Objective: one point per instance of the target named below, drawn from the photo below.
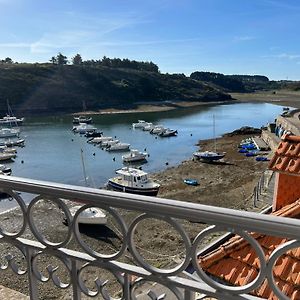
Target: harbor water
(52, 151)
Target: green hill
(57, 89)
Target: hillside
(57, 89)
(237, 83)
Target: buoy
(114, 159)
(94, 153)
(115, 136)
(167, 163)
(145, 149)
(148, 155)
(156, 137)
(22, 161)
(72, 140)
(191, 134)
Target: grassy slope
(50, 89)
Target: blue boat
(190, 181)
(262, 158)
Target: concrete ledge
(9, 294)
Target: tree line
(77, 60)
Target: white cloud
(244, 38)
(287, 56)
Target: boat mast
(83, 168)
(214, 133)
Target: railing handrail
(223, 217)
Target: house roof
(236, 262)
(287, 156)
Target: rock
(244, 130)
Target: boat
(10, 143)
(9, 120)
(7, 156)
(4, 170)
(83, 128)
(134, 156)
(157, 129)
(168, 132)
(261, 158)
(91, 215)
(99, 140)
(9, 132)
(118, 147)
(190, 181)
(109, 142)
(135, 181)
(82, 119)
(210, 156)
(5, 149)
(139, 124)
(148, 127)
(93, 134)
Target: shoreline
(281, 97)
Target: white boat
(5, 149)
(100, 140)
(82, 119)
(133, 181)
(109, 142)
(139, 124)
(209, 156)
(9, 120)
(168, 132)
(148, 127)
(118, 147)
(9, 132)
(134, 155)
(7, 156)
(157, 129)
(4, 170)
(10, 143)
(83, 128)
(91, 215)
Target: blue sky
(181, 36)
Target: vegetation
(58, 87)
(237, 83)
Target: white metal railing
(131, 275)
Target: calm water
(52, 151)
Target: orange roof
(236, 262)
(287, 156)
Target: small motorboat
(10, 143)
(91, 215)
(139, 124)
(134, 156)
(118, 147)
(5, 149)
(93, 134)
(190, 181)
(9, 132)
(83, 128)
(251, 153)
(135, 181)
(109, 143)
(148, 127)
(7, 156)
(82, 119)
(168, 132)
(157, 129)
(99, 140)
(4, 170)
(209, 156)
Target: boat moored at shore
(11, 121)
(135, 181)
(82, 119)
(134, 156)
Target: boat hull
(139, 191)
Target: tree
(53, 60)
(61, 59)
(77, 60)
(7, 60)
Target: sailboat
(91, 215)
(210, 156)
(10, 119)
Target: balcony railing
(129, 260)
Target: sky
(180, 36)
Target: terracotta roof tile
(236, 262)
(287, 156)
